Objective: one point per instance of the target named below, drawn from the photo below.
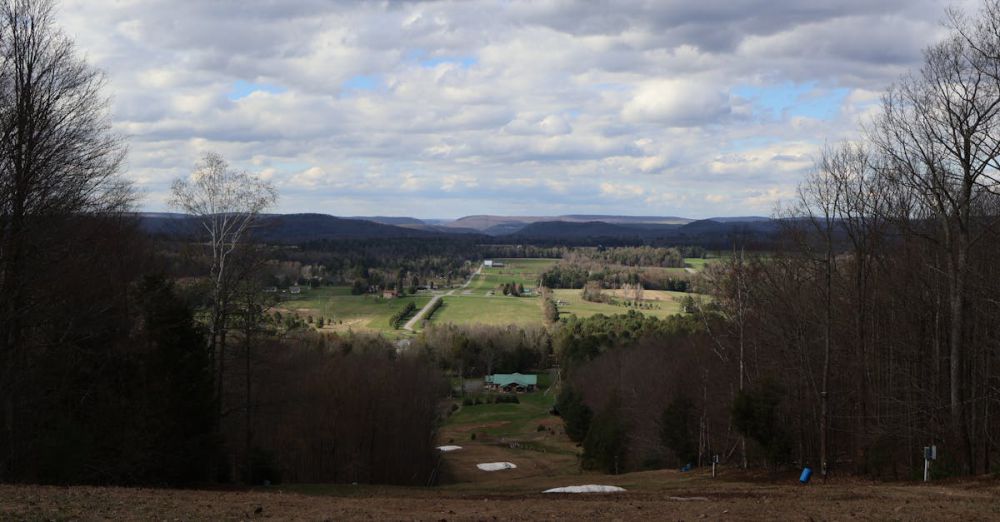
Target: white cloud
(490, 106)
(677, 103)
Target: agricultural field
(697, 263)
(359, 313)
(494, 310)
(663, 303)
(519, 271)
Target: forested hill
(300, 228)
(703, 232)
(294, 228)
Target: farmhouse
(489, 263)
(295, 290)
(511, 382)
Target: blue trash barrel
(806, 475)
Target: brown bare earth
(660, 495)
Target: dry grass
(661, 495)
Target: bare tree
(227, 203)
(939, 132)
(58, 158)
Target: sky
(444, 109)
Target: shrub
(397, 318)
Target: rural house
(511, 382)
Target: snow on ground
(495, 466)
(589, 488)
(449, 448)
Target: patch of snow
(495, 466)
(448, 448)
(588, 488)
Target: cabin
(389, 294)
(295, 290)
(511, 382)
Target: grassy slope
(508, 433)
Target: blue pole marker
(806, 475)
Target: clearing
(525, 271)
(494, 310)
(663, 303)
(360, 313)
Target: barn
(511, 382)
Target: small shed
(511, 382)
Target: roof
(503, 379)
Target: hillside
(292, 228)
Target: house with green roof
(511, 382)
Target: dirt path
(423, 311)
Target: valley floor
(659, 495)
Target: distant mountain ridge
(299, 228)
(293, 228)
(503, 225)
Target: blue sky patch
(362, 82)
(242, 88)
(462, 61)
(793, 99)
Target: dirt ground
(660, 495)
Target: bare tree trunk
(824, 408)
(956, 345)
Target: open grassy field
(664, 303)
(520, 271)
(349, 312)
(495, 310)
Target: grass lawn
(354, 312)
(663, 302)
(500, 310)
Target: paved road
(423, 311)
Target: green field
(519, 271)
(349, 312)
(499, 310)
(663, 303)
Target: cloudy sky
(443, 109)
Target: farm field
(349, 312)
(663, 302)
(495, 310)
(519, 271)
